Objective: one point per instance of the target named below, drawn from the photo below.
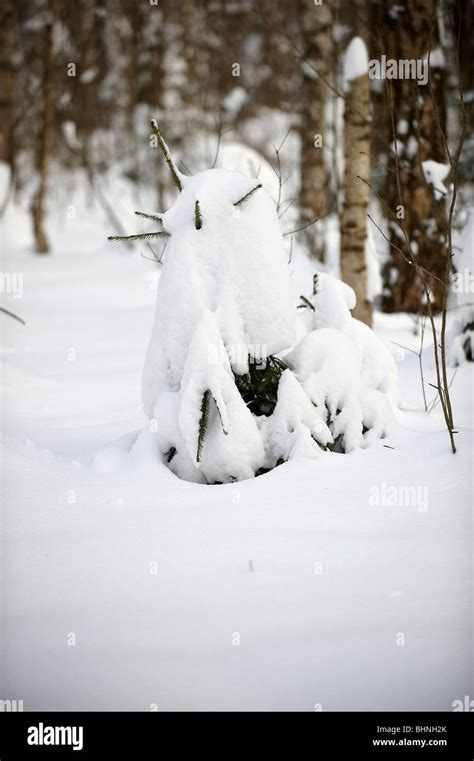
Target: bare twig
(167, 156)
(308, 224)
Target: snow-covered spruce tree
(236, 380)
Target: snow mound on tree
(233, 447)
(328, 363)
(236, 380)
(234, 265)
(331, 302)
(296, 428)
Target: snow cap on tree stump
(356, 61)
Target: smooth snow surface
(280, 592)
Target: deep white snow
(320, 584)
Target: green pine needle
(154, 217)
(259, 387)
(306, 303)
(203, 423)
(197, 216)
(140, 236)
(247, 195)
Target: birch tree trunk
(317, 44)
(357, 120)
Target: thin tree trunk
(46, 133)
(357, 118)
(188, 16)
(88, 89)
(316, 27)
(7, 83)
(157, 91)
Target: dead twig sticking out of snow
(435, 401)
(167, 156)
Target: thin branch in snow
(167, 156)
(419, 354)
(289, 203)
(220, 135)
(435, 401)
(277, 171)
(155, 257)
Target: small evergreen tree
(224, 415)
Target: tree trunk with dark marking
(357, 133)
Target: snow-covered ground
(127, 588)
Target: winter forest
(237, 319)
